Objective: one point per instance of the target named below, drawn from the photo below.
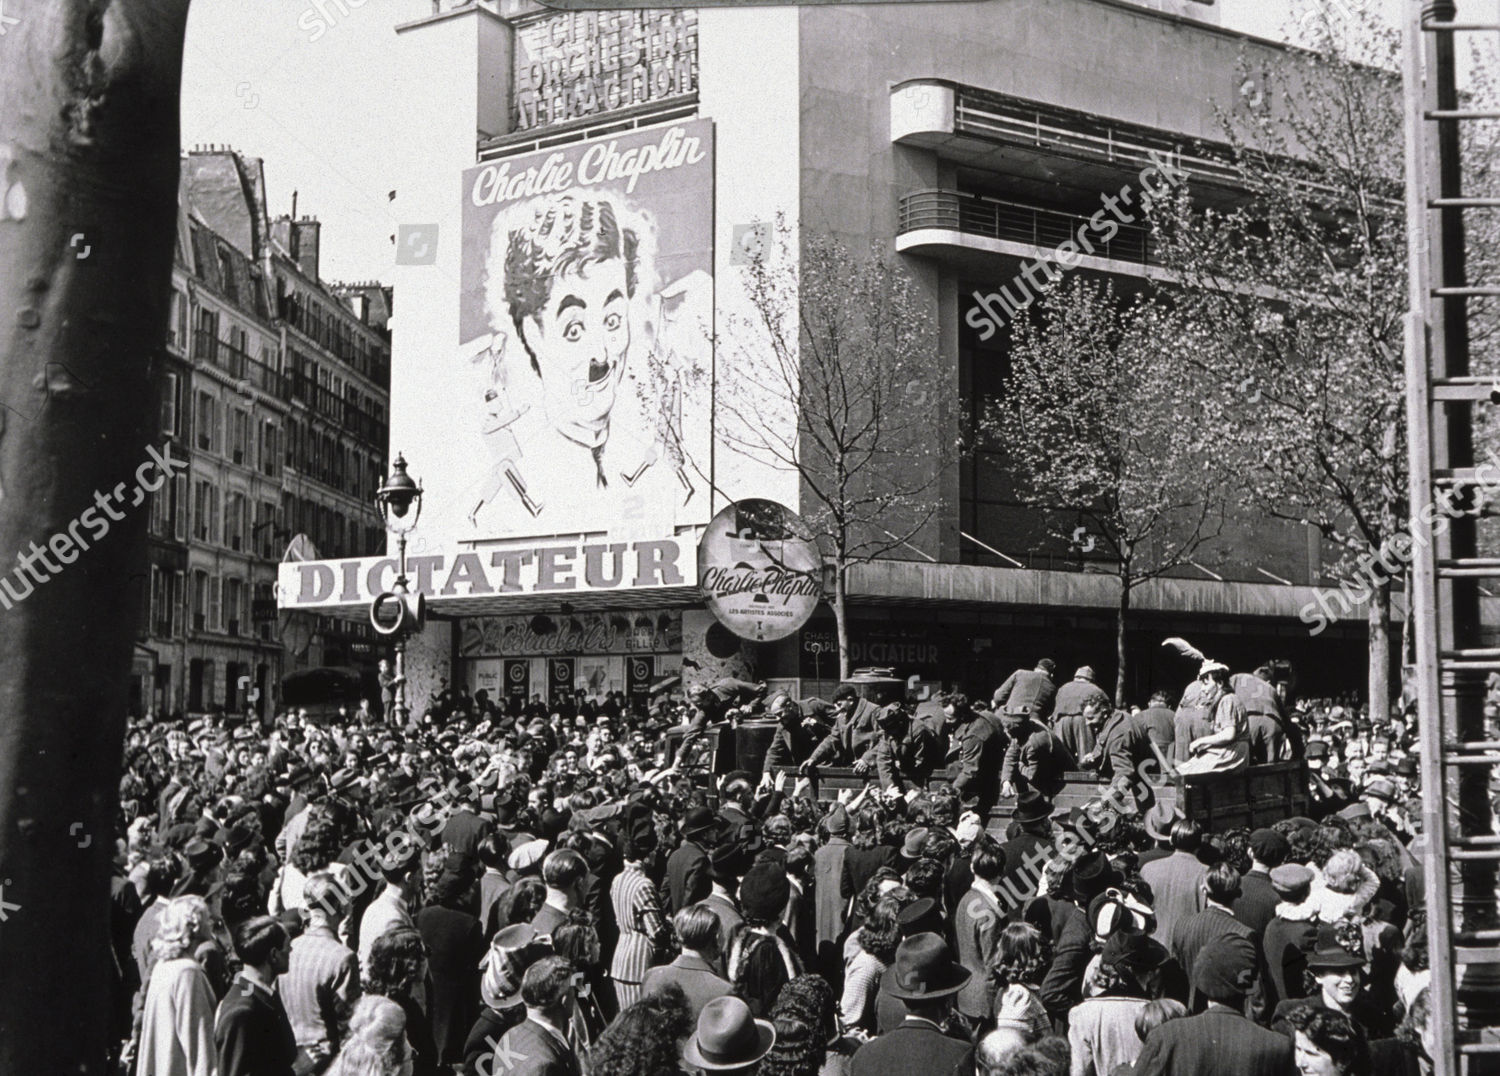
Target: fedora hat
(702, 821)
(728, 1037)
(924, 968)
(1031, 806)
(1091, 875)
(915, 842)
(1159, 821)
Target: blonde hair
(1344, 871)
(184, 923)
(377, 1044)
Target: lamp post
(399, 500)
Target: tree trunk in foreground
(1380, 653)
(89, 143)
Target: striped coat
(643, 931)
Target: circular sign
(760, 574)
(517, 673)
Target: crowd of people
(535, 890)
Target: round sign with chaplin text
(761, 575)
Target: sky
(298, 83)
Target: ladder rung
(1461, 114)
(1459, 27)
(1471, 666)
(1492, 854)
(1479, 1047)
(1488, 840)
(1487, 570)
(1473, 653)
(1474, 291)
(1479, 389)
(1474, 745)
(1463, 203)
(1473, 937)
(1476, 954)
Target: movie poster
(586, 326)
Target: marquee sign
(572, 65)
(759, 574)
(548, 568)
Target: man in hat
(1029, 688)
(1256, 906)
(539, 1045)
(1032, 822)
(1215, 927)
(852, 739)
(925, 979)
(1220, 1040)
(833, 886)
(728, 1039)
(687, 867)
(976, 749)
(1075, 696)
(1291, 934)
(1034, 755)
(726, 863)
(907, 751)
(1122, 746)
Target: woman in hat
(1101, 1029)
(1336, 974)
(1227, 748)
(511, 952)
(761, 959)
(1022, 958)
(644, 938)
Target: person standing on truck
(796, 736)
(907, 751)
(1035, 758)
(1032, 688)
(1268, 739)
(852, 741)
(1074, 697)
(976, 748)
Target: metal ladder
(1462, 850)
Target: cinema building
(567, 438)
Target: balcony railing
(994, 218)
(238, 365)
(343, 413)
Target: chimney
(306, 234)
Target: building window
(200, 601)
(206, 423)
(161, 602)
(169, 403)
(216, 604)
(234, 520)
(239, 436)
(179, 507)
(233, 605)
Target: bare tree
(831, 375)
(1313, 353)
(1106, 436)
(89, 144)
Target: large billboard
(585, 322)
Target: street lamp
(399, 500)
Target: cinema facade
(579, 194)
